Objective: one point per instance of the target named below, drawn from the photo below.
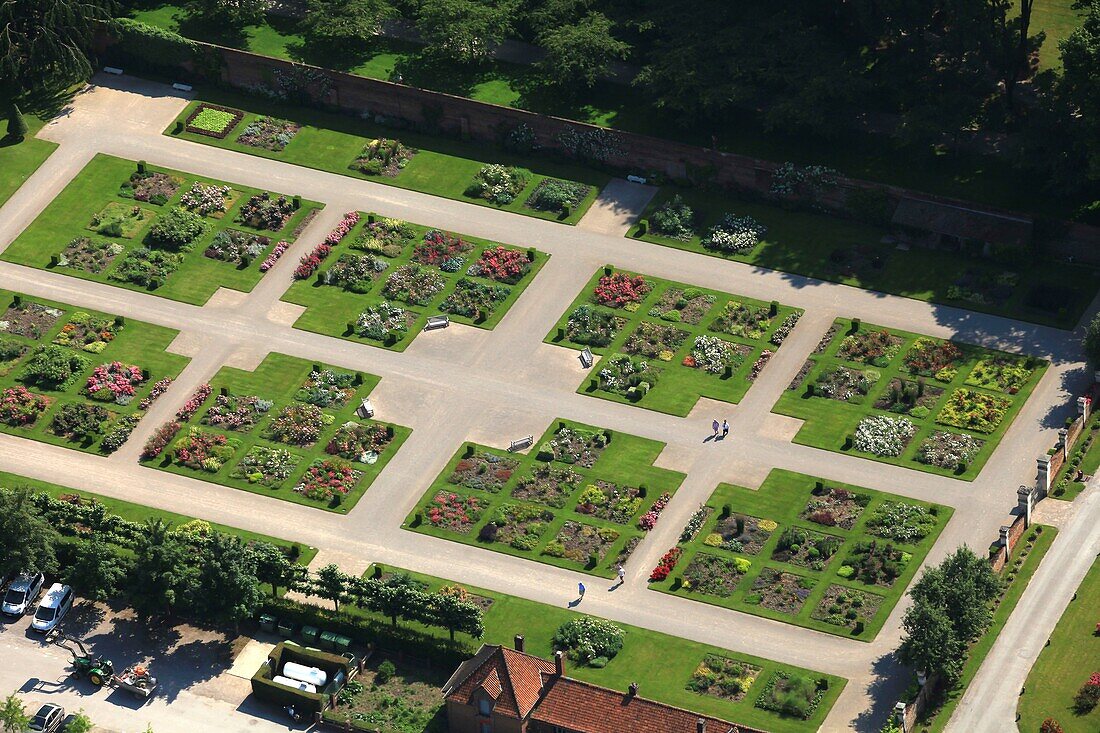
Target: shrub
(553, 194)
(385, 672)
(674, 219)
(734, 234)
(586, 638)
(498, 184)
(53, 367)
(1050, 725)
(176, 230)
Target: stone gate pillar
(1024, 498)
(1044, 475)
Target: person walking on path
(622, 573)
(725, 428)
(715, 426)
(580, 589)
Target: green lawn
(850, 252)
(696, 342)
(1084, 457)
(1057, 19)
(289, 423)
(826, 521)
(1026, 561)
(575, 501)
(662, 665)
(334, 302)
(61, 238)
(958, 398)
(979, 178)
(92, 340)
(19, 160)
(1065, 665)
(441, 167)
(139, 513)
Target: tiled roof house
(501, 690)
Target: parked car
(48, 719)
(58, 601)
(22, 593)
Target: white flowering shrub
(734, 234)
(882, 435)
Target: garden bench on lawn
(435, 322)
(587, 360)
(524, 442)
(365, 409)
(636, 179)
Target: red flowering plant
(114, 382)
(458, 513)
(649, 520)
(21, 407)
(310, 263)
(159, 440)
(439, 246)
(619, 289)
(194, 402)
(204, 450)
(502, 264)
(666, 565)
(327, 478)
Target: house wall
(464, 719)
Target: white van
(58, 601)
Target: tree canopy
(27, 541)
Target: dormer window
(484, 706)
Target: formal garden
(663, 345)
(582, 498)
(1064, 684)
(850, 251)
(507, 178)
(156, 230)
(78, 378)
(814, 553)
(731, 685)
(377, 280)
(914, 401)
(288, 430)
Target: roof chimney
(559, 663)
(700, 726)
(519, 643)
(633, 689)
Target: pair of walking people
(619, 569)
(724, 427)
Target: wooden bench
(524, 442)
(435, 322)
(365, 409)
(587, 359)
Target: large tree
(231, 14)
(1080, 86)
(451, 612)
(275, 568)
(44, 44)
(227, 587)
(346, 21)
(97, 570)
(578, 53)
(13, 715)
(331, 584)
(164, 575)
(465, 30)
(27, 541)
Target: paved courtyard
(493, 386)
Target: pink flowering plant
(649, 520)
(159, 387)
(114, 382)
(20, 407)
(202, 450)
(619, 289)
(194, 402)
(454, 512)
(501, 264)
(328, 478)
(279, 250)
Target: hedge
(149, 46)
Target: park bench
(524, 442)
(587, 360)
(435, 322)
(179, 86)
(365, 409)
(636, 179)
(112, 70)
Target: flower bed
(202, 450)
(883, 436)
(586, 640)
(114, 382)
(713, 575)
(610, 502)
(498, 184)
(89, 255)
(80, 421)
(547, 484)
(874, 563)
(120, 220)
(794, 695)
(933, 358)
(159, 388)
(384, 322)
(780, 591)
(279, 250)
(384, 236)
(741, 533)
(631, 378)
(952, 451)
(194, 402)
(212, 120)
(29, 320)
(440, 248)
(666, 565)
(208, 199)
(590, 326)
(582, 543)
(236, 247)
(1000, 372)
(847, 607)
(383, 157)
(146, 267)
(267, 466)
(799, 546)
(263, 211)
(695, 522)
(502, 264)
(908, 397)
(783, 330)
(239, 413)
(20, 407)
(674, 219)
(877, 348)
(358, 442)
(553, 194)
(327, 388)
(843, 384)
(150, 187)
(743, 319)
(620, 290)
(414, 284)
(724, 678)
(353, 272)
(649, 520)
(688, 305)
(87, 332)
(734, 235)
(176, 230)
(269, 133)
(485, 471)
(517, 525)
(759, 364)
(654, 340)
(713, 355)
(973, 410)
(298, 424)
(475, 300)
(902, 522)
(159, 440)
(573, 445)
(53, 367)
(310, 263)
(11, 351)
(454, 512)
(328, 478)
(833, 506)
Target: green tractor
(98, 671)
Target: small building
(501, 690)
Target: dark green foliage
(53, 367)
(27, 540)
(176, 230)
(97, 570)
(17, 126)
(153, 45)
